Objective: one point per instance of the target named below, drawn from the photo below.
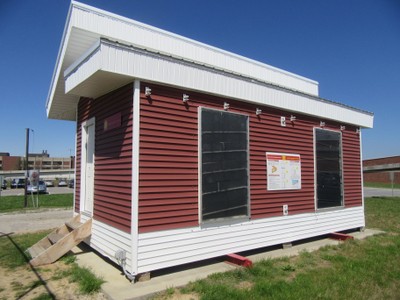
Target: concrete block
(286, 245)
(143, 277)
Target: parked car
(71, 184)
(40, 188)
(49, 183)
(18, 183)
(62, 182)
(4, 184)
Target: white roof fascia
(60, 56)
(110, 65)
(85, 55)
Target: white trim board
(135, 175)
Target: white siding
(107, 240)
(173, 247)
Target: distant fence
(44, 174)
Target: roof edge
(57, 67)
(77, 79)
(186, 39)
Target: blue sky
(351, 47)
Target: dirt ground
(28, 283)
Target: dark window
(328, 148)
(224, 165)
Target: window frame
(341, 172)
(223, 220)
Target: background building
(37, 161)
(382, 170)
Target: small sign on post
(1, 180)
(34, 183)
(391, 175)
(34, 177)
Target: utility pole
(26, 167)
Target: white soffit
(110, 65)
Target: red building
(8, 162)
(187, 152)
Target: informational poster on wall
(283, 171)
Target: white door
(87, 193)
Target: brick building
(379, 170)
(37, 161)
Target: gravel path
(34, 220)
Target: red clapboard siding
(267, 135)
(352, 167)
(168, 170)
(113, 156)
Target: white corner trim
(361, 169)
(135, 176)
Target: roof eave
(97, 74)
(57, 68)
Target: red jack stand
(340, 236)
(239, 260)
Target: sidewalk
(380, 192)
(33, 220)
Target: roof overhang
(101, 52)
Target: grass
(16, 203)
(12, 248)
(88, 282)
(360, 269)
(381, 185)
